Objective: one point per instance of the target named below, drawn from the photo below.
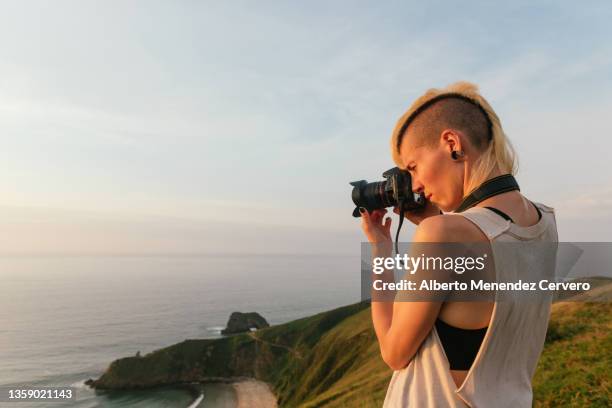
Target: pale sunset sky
(235, 127)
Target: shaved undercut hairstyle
(458, 107)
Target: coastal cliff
(332, 359)
(301, 359)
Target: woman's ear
(451, 140)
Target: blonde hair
(499, 152)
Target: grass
(332, 360)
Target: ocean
(65, 318)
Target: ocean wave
(197, 401)
(80, 384)
(215, 329)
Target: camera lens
(395, 190)
(372, 196)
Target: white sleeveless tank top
(501, 373)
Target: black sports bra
(462, 345)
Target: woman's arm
(402, 326)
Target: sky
(235, 127)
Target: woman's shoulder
(449, 228)
(544, 207)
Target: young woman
(458, 354)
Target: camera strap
(496, 185)
(399, 227)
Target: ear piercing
(456, 154)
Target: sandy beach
(241, 392)
(254, 394)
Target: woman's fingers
(376, 219)
(365, 215)
(387, 225)
(365, 219)
(376, 226)
(377, 215)
(372, 218)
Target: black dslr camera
(396, 190)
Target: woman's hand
(377, 229)
(416, 216)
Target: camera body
(395, 190)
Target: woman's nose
(417, 187)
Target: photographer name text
(434, 285)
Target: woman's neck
(496, 172)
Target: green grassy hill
(576, 363)
(332, 359)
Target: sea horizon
(70, 316)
